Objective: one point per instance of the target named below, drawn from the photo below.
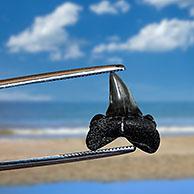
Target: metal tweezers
(67, 157)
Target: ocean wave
(52, 131)
(176, 129)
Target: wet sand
(174, 160)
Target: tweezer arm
(59, 75)
(65, 158)
(70, 157)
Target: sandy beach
(174, 160)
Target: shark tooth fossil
(123, 119)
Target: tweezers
(66, 157)
(59, 75)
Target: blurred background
(153, 39)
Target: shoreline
(81, 131)
(173, 160)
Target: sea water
(63, 118)
(134, 187)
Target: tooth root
(121, 102)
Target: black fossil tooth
(121, 101)
(123, 119)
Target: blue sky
(154, 39)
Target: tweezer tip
(120, 66)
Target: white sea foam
(176, 129)
(77, 131)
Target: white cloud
(192, 12)
(20, 96)
(114, 60)
(106, 7)
(164, 3)
(73, 52)
(156, 37)
(114, 38)
(49, 34)
(188, 4)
